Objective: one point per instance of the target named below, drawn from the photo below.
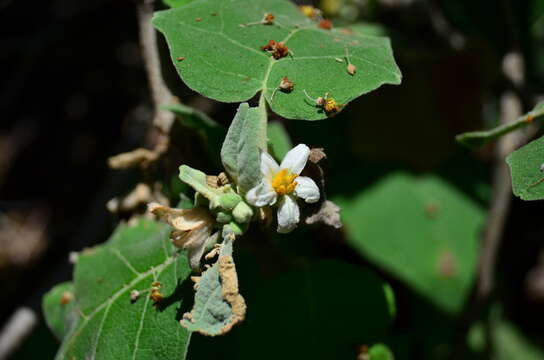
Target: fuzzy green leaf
(525, 168)
(212, 314)
(197, 180)
(60, 310)
(110, 325)
(240, 151)
(224, 61)
(422, 230)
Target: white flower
(283, 184)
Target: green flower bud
(223, 217)
(229, 201)
(242, 213)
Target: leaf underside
(107, 324)
(220, 59)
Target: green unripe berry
(223, 217)
(242, 213)
(229, 201)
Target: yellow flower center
(284, 182)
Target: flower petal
(288, 214)
(269, 166)
(307, 189)
(262, 194)
(296, 158)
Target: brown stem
(159, 91)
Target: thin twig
(18, 327)
(158, 136)
(163, 119)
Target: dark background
(73, 92)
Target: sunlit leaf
(223, 60)
(111, 325)
(420, 229)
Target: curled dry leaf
(192, 229)
(139, 157)
(317, 154)
(328, 214)
(229, 280)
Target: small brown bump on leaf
(66, 297)
(317, 154)
(134, 295)
(277, 49)
(268, 19)
(213, 14)
(447, 264)
(529, 118)
(180, 58)
(156, 295)
(198, 19)
(351, 69)
(325, 24)
(431, 209)
(286, 86)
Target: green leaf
(224, 61)
(196, 119)
(422, 230)
(197, 180)
(110, 325)
(240, 152)
(177, 3)
(60, 310)
(279, 142)
(212, 313)
(479, 138)
(508, 340)
(525, 168)
(367, 28)
(380, 352)
(210, 131)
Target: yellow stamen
(284, 182)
